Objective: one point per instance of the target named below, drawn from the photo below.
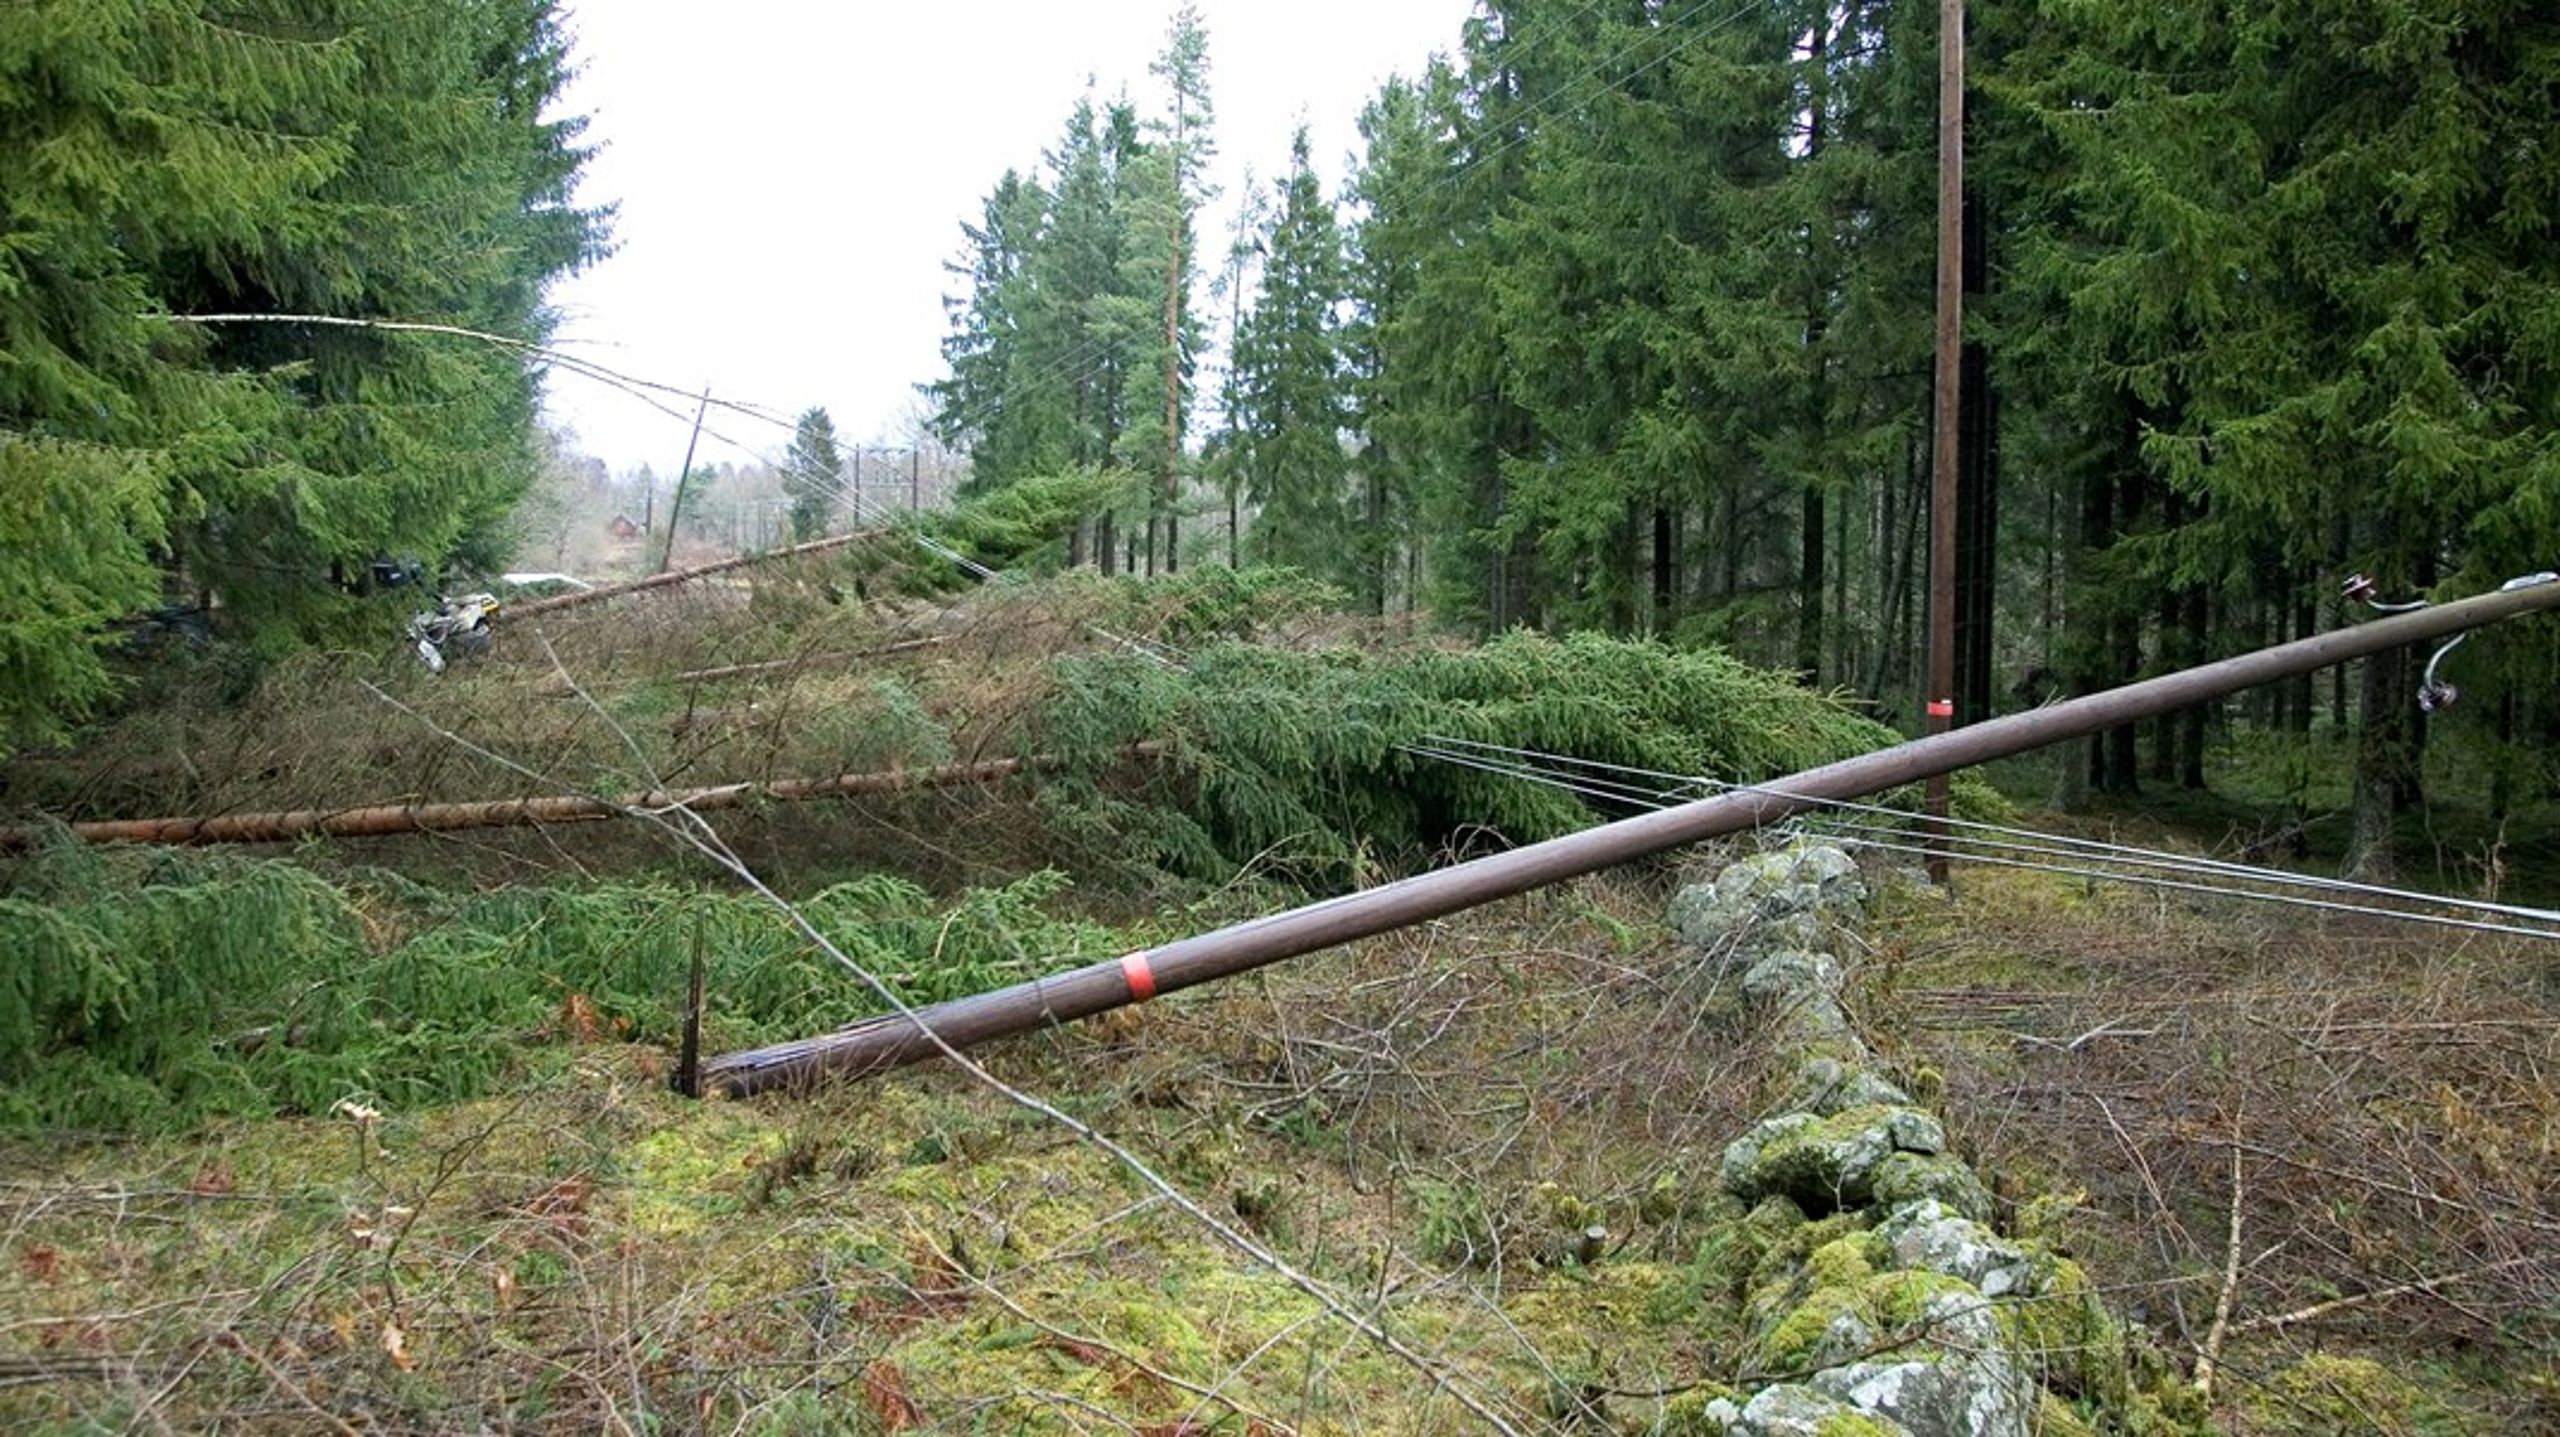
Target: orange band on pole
(1140, 975)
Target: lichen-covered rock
(1824, 1324)
(1826, 1085)
(1768, 901)
(1905, 1179)
(1825, 1163)
(1784, 976)
(1972, 1396)
(1954, 1377)
(1788, 1410)
(1928, 1236)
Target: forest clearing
(1759, 718)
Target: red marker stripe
(1140, 976)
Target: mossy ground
(594, 1252)
(2101, 1049)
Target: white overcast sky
(792, 174)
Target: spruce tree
(814, 474)
(1000, 401)
(2310, 246)
(368, 159)
(1289, 383)
(1168, 186)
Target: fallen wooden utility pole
(386, 819)
(672, 577)
(878, 1044)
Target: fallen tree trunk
(814, 663)
(877, 1044)
(387, 819)
(672, 577)
(776, 666)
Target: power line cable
(2075, 845)
(1884, 839)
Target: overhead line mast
(1941, 698)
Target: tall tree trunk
(1809, 589)
(1169, 488)
(1817, 323)
(1977, 490)
(2385, 760)
(1665, 568)
(1901, 523)
(2191, 724)
(2306, 622)
(1377, 576)
(2081, 766)
(1729, 556)
(2172, 651)
(1837, 641)
(2390, 736)
(2502, 778)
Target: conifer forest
(1725, 718)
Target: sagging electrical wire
(2098, 848)
(2003, 847)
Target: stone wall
(1882, 1300)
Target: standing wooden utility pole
(1942, 451)
(675, 506)
(915, 478)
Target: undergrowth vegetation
(152, 992)
(2359, 1115)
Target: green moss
(1831, 1320)
(1901, 1299)
(1780, 1249)
(2054, 1418)
(1686, 1415)
(1828, 1324)
(1845, 1261)
(1581, 1309)
(2046, 1216)
(2064, 1329)
(1831, 1162)
(1912, 1177)
(710, 1155)
(2324, 1394)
